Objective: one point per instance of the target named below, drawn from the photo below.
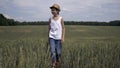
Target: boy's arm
(63, 30)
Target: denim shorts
(56, 48)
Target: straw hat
(55, 6)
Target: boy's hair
(58, 11)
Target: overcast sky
(72, 10)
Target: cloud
(7, 16)
(24, 3)
(31, 10)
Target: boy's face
(54, 11)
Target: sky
(71, 10)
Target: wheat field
(84, 47)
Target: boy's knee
(53, 54)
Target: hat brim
(54, 7)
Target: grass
(84, 47)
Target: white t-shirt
(55, 29)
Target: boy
(56, 33)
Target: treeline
(6, 22)
(11, 22)
(111, 23)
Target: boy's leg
(53, 53)
(58, 50)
